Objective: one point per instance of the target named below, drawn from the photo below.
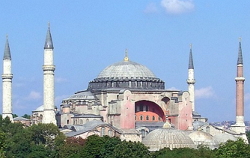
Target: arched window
(147, 118)
(141, 117)
(110, 133)
(153, 118)
(102, 131)
(143, 133)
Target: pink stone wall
(127, 119)
(185, 116)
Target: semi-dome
(126, 74)
(203, 138)
(169, 138)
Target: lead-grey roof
(83, 95)
(20, 119)
(7, 54)
(126, 69)
(88, 127)
(240, 58)
(48, 41)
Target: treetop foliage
(46, 141)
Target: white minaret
(7, 83)
(191, 80)
(48, 81)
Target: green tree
(248, 136)
(128, 149)
(26, 116)
(14, 115)
(71, 148)
(94, 145)
(233, 149)
(175, 153)
(46, 134)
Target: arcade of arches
(148, 111)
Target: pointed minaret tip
(48, 41)
(240, 58)
(190, 64)
(126, 55)
(7, 50)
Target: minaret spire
(7, 82)
(48, 81)
(191, 80)
(191, 64)
(7, 50)
(240, 58)
(48, 41)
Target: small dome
(169, 138)
(203, 138)
(39, 109)
(127, 69)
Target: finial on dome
(166, 125)
(126, 55)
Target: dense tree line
(45, 140)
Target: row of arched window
(149, 118)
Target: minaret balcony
(7, 76)
(48, 67)
(239, 78)
(191, 81)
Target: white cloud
(151, 8)
(34, 95)
(60, 79)
(177, 6)
(172, 89)
(247, 97)
(206, 92)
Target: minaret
(7, 83)
(48, 81)
(191, 80)
(240, 125)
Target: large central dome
(126, 74)
(127, 69)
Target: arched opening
(148, 111)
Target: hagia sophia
(128, 101)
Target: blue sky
(90, 35)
